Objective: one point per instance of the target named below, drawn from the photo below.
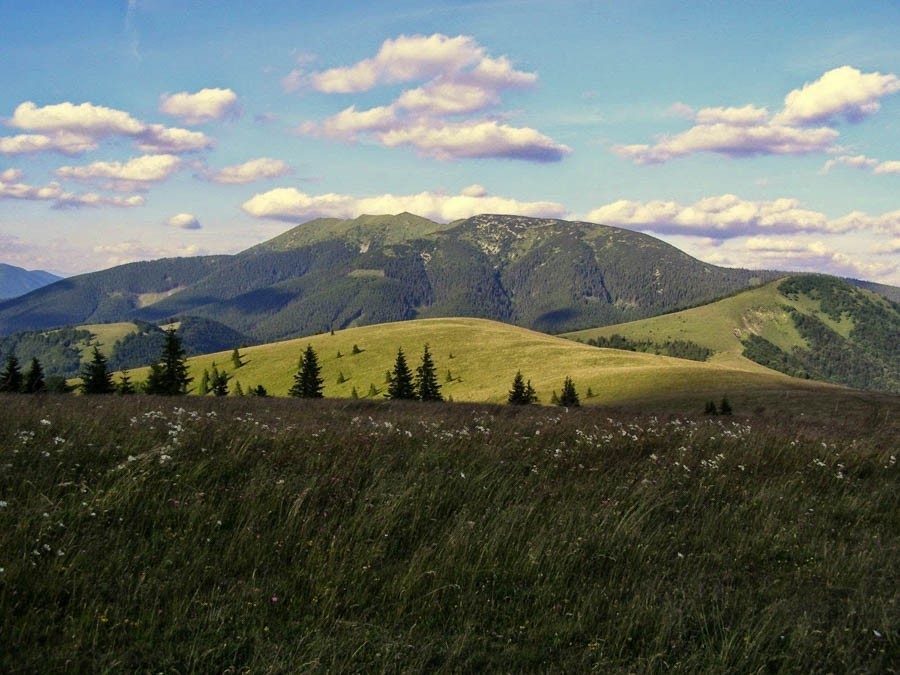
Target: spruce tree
(401, 386)
(569, 397)
(356, 350)
(517, 393)
(307, 383)
(427, 387)
(238, 389)
(125, 387)
(34, 378)
(218, 382)
(11, 380)
(724, 406)
(203, 387)
(530, 393)
(95, 377)
(169, 376)
(236, 359)
(259, 390)
(354, 393)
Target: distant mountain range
(545, 274)
(15, 281)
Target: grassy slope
(486, 355)
(278, 536)
(105, 336)
(720, 325)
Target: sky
(758, 134)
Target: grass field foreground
(214, 535)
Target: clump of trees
(169, 376)
(522, 393)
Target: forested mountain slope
(550, 275)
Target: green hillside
(809, 326)
(482, 358)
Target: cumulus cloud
(889, 247)
(861, 162)
(76, 128)
(458, 78)
(133, 251)
(799, 129)
(62, 199)
(10, 175)
(804, 255)
(289, 204)
(892, 166)
(185, 221)
(842, 92)
(408, 57)
(204, 106)
(477, 139)
(733, 139)
(728, 216)
(718, 217)
(136, 173)
(248, 172)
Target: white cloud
(204, 106)
(751, 130)
(248, 172)
(294, 81)
(350, 122)
(727, 216)
(403, 59)
(10, 175)
(63, 199)
(477, 139)
(862, 162)
(76, 128)
(804, 255)
(157, 138)
(133, 251)
(844, 92)
(460, 78)
(145, 169)
(734, 140)
(289, 204)
(889, 247)
(892, 166)
(185, 221)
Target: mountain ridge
(17, 281)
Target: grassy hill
(807, 325)
(483, 356)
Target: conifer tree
(517, 393)
(307, 383)
(426, 384)
(218, 382)
(373, 391)
(203, 387)
(710, 408)
(554, 398)
(124, 386)
(354, 393)
(530, 393)
(569, 397)
(401, 386)
(341, 379)
(356, 350)
(259, 390)
(724, 406)
(34, 378)
(236, 359)
(95, 377)
(11, 380)
(169, 376)
(238, 389)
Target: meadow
(144, 534)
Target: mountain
(808, 326)
(546, 274)
(15, 281)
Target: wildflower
(46, 422)
(3, 504)
(274, 598)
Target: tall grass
(198, 535)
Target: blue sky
(762, 134)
